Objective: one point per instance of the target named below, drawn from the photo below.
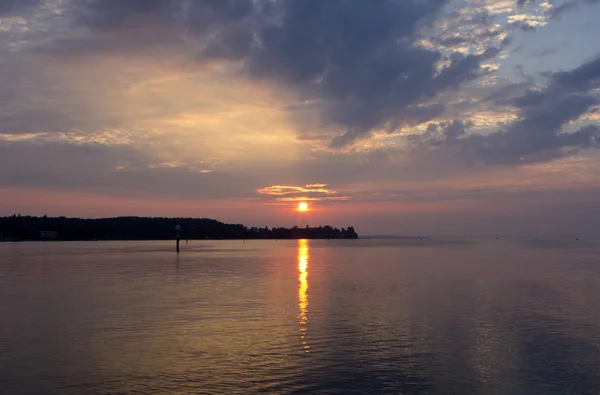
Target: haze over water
(318, 316)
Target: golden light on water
(302, 290)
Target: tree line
(20, 228)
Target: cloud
(148, 22)
(546, 52)
(310, 192)
(313, 199)
(116, 169)
(527, 22)
(360, 61)
(554, 11)
(286, 189)
(538, 134)
(450, 130)
(9, 7)
(106, 137)
(558, 11)
(112, 14)
(584, 78)
(364, 65)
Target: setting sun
(303, 206)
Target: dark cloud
(524, 26)
(455, 129)
(105, 26)
(452, 41)
(357, 59)
(197, 15)
(8, 7)
(557, 11)
(128, 26)
(507, 93)
(538, 135)
(204, 14)
(528, 78)
(111, 14)
(582, 79)
(521, 3)
(443, 132)
(457, 29)
(548, 51)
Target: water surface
(318, 316)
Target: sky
(405, 117)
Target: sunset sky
(408, 117)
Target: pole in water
(177, 229)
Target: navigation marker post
(177, 230)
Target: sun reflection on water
(302, 290)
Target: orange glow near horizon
(302, 207)
(302, 290)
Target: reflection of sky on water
(224, 318)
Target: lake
(306, 316)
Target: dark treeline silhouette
(19, 228)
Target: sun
(302, 206)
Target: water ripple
(300, 317)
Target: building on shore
(48, 235)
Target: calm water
(366, 316)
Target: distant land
(395, 237)
(27, 228)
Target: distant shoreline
(172, 239)
(392, 237)
(29, 228)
